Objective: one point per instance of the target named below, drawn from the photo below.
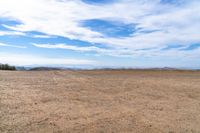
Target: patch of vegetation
(7, 67)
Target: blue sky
(100, 33)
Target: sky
(100, 33)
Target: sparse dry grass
(100, 101)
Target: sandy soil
(100, 101)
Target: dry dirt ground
(100, 101)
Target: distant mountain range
(102, 68)
(49, 68)
(44, 69)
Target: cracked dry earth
(100, 101)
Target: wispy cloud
(14, 46)
(41, 36)
(24, 60)
(70, 47)
(172, 52)
(10, 33)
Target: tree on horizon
(7, 67)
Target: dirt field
(100, 101)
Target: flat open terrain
(100, 101)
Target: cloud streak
(14, 46)
(118, 52)
(25, 60)
(11, 33)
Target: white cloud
(6, 33)
(24, 60)
(177, 53)
(14, 46)
(100, 51)
(41, 36)
(174, 24)
(70, 47)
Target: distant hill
(44, 69)
(21, 68)
(165, 68)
